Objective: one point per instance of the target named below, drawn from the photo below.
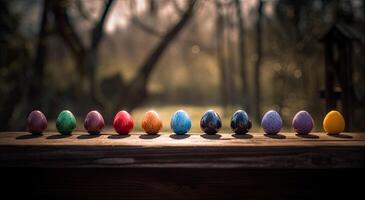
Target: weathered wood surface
(287, 150)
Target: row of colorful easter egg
(210, 122)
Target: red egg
(123, 122)
(94, 122)
(36, 122)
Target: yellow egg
(334, 122)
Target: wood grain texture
(138, 150)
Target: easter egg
(210, 123)
(123, 122)
(271, 122)
(94, 122)
(36, 122)
(180, 122)
(334, 122)
(240, 123)
(303, 122)
(65, 122)
(151, 122)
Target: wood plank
(194, 139)
(138, 150)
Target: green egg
(66, 122)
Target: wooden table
(179, 167)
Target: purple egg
(303, 122)
(36, 122)
(94, 122)
(272, 122)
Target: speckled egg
(303, 122)
(66, 122)
(123, 122)
(180, 122)
(240, 123)
(210, 123)
(94, 122)
(272, 122)
(334, 122)
(151, 122)
(36, 122)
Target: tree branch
(177, 7)
(152, 59)
(80, 7)
(137, 90)
(135, 20)
(66, 30)
(97, 32)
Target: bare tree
(86, 56)
(220, 54)
(257, 74)
(35, 82)
(135, 92)
(241, 49)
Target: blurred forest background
(166, 55)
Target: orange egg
(151, 122)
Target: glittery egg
(180, 122)
(123, 122)
(36, 122)
(271, 122)
(94, 122)
(66, 122)
(334, 122)
(210, 123)
(240, 122)
(151, 122)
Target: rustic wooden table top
(138, 150)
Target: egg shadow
(242, 136)
(28, 136)
(211, 137)
(275, 136)
(149, 136)
(118, 136)
(58, 136)
(307, 136)
(340, 135)
(179, 137)
(82, 137)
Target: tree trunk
(86, 57)
(242, 58)
(220, 55)
(136, 91)
(36, 85)
(230, 58)
(258, 62)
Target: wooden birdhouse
(338, 47)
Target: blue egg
(210, 123)
(180, 122)
(240, 122)
(272, 122)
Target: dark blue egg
(240, 123)
(210, 122)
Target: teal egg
(66, 122)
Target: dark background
(165, 55)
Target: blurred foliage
(187, 75)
